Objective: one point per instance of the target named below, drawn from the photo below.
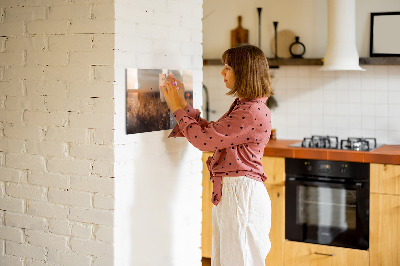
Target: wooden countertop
(389, 154)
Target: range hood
(341, 51)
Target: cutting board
(239, 35)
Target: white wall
(158, 180)
(312, 102)
(62, 135)
(344, 103)
(56, 132)
(305, 18)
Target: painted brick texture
(56, 132)
(158, 180)
(62, 135)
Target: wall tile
(365, 98)
(382, 110)
(394, 97)
(394, 82)
(367, 110)
(380, 71)
(382, 136)
(355, 96)
(394, 123)
(354, 80)
(394, 137)
(394, 110)
(380, 83)
(393, 71)
(291, 71)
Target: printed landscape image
(146, 109)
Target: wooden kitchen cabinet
(384, 237)
(305, 254)
(206, 225)
(277, 233)
(385, 178)
(274, 168)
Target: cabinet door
(384, 230)
(385, 178)
(274, 168)
(304, 254)
(206, 226)
(277, 233)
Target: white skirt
(241, 223)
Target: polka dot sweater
(238, 139)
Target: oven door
(327, 213)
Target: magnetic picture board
(146, 109)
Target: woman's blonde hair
(250, 66)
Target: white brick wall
(56, 132)
(156, 177)
(60, 79)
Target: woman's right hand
(181, 90)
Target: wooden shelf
(380, 61)
(274, 63)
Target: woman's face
(229, 76)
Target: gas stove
(332, 142)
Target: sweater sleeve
(193, 113)
(229, 131)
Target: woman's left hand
(170, 90)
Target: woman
(242, 208)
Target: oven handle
(357, 185)
(324, 254)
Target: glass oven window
(326, 207)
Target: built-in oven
(327, 202)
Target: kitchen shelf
(274, 63)
(380, 61)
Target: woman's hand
(181, 92)
(180, 87)
(172, 94)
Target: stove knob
(343, 168)
(308, 166)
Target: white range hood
(341, 51)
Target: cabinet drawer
(385, 178)
(304, 254)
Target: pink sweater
(238, 139)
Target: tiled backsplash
(312, 102)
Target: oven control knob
(343, 168)
(308, 166)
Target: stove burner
(332, 142)
(328, 142)
(358, 144)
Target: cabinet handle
(324, 254)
